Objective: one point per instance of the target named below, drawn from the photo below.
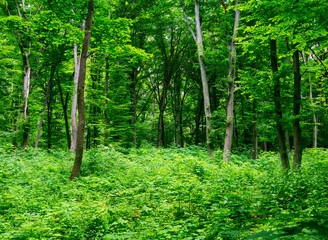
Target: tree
(198, 38)
(80, 92)
(231, 88)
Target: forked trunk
(277, 103)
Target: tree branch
(319, 60)
(187, 21)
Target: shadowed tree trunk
(52, 73)
(106, 102)
(64, 106)
(80, 94)
(277, 103)
(255, 137)
(296, 111)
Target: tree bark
(25, 48)
(206, 94)
(198, 118)
(181, 129)
(134, 103)
(52, 73)
(106, 102)
(255, 137)
(231, 78)
(26, 89)
(315, 117)
(80, 94)
(64, 106)
(49, 118)
(277, 103)
(296, 111)
(74, 100)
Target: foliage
(149, 193)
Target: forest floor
(151, 193)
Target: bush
(150, 193)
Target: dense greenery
(150, 193)
(244, 78)
(143, 76)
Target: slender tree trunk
(64, 106)
(16, 107)
(315, 117)
(206, 93)
(296, 112)
(162, 106)
(49, 118)
(87, 141)
(45, 105)
(265, 146)
(316, 130)
(135, 99)
(176, 128)
(80, 94)
(26, 89)
(181, 129)
(255, 137)
(74, 100)
(106, 102)
(277, 103)
(231, 77)
(198, 120)
(160, 129)
(25, 54)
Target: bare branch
(187, 21)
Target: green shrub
(150, 193)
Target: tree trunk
(181, 129)
(49, 118)
(106, 103)
(162, 106)
(231, 78)
(176, 128)
(160, 129)
(198, 120)
(296, 111)
(45, 105)
(25, 54)
(135, 99)
(87, 141)
(26, 89)
(255, 137)
(74, 100)
(64, 106)
(206, 94)
(277, 103)
(315, 132)
(315, 117)
(80, 94)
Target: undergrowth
(151, 193)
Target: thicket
(150, 193)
